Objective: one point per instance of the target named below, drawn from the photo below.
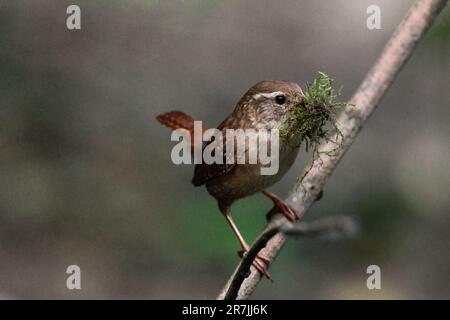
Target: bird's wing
(204, 172)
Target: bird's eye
(280, 99)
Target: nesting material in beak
(312, 118)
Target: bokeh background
(85, 170)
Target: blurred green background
(85, 170)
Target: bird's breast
(246, 179)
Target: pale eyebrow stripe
(267, 95)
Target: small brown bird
(264, 106)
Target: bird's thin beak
(299, 96)
(298, 99)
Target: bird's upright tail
(179, 120)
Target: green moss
(308, 121)
(313, 120)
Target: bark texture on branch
(374, 86)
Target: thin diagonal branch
(341, 224)
(243, 268)
(374, 86)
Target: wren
(266, 105)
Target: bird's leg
(245, 247)
(287, 211)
